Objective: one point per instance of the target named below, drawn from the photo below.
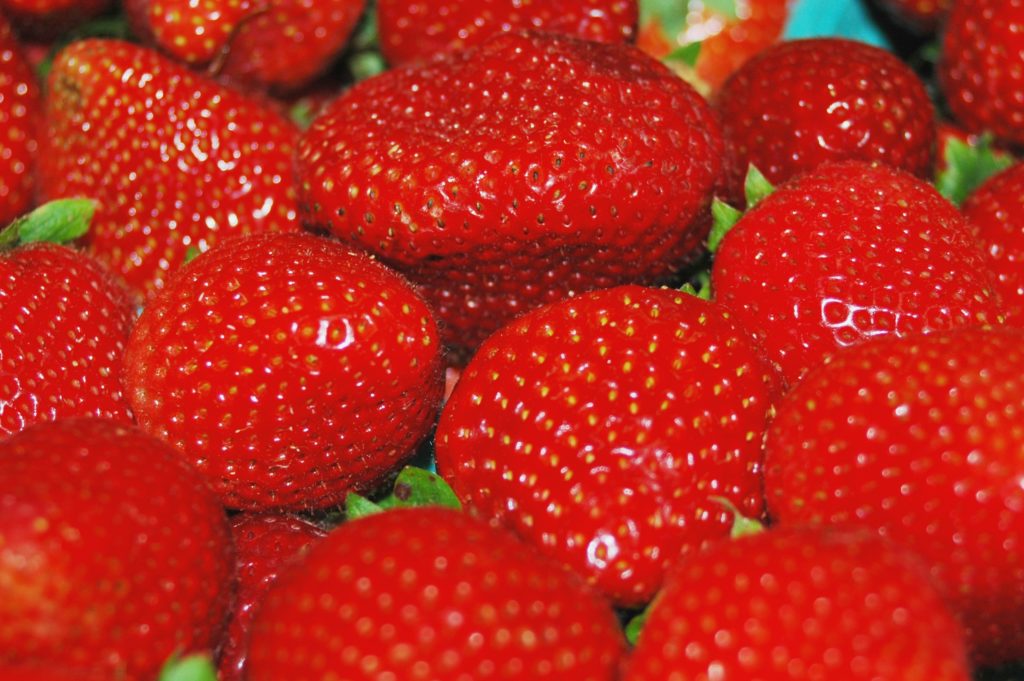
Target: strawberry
(64, 324)
(509, 175)
(919, 439)
(45, 672)
(724, 35)
(20, 113)
(115, 554)
(920, 15)
(801, 103)
(47, 19)
(264, 545)
(268, 44)
(598, 427)
(848, 252)
(800, 604)
(431, 593)
(996, 212)
(288, 369)
(979, 68)
(176, 162)
(416, 30)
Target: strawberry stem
(413, 487)
(56, 222)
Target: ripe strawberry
(919, 438)
(996, 212)
(63, 327)
(920, 15)
(269, 44)
(416, 30)
(980, 68)
(801, 103)
(264, 545)
(431, 593)
(598, 427)
(800, 604)
(849, 252)
(20, 112)
(47, 19)
(176, 162)
(509, 175)
(288, 369)
(727, 39)
(115, 554)
(45, 672)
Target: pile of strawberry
(722, 376)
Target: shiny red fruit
(48, 19)
(599, 429)
(919, 439)
(20, 117)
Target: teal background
(845, 18)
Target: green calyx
(191, 668)
(413, 487)
(742, 526)
(756, 188)
(968, 166)
(56, 222)
(636, 624)
(688, 54)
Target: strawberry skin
(919, 438)
(598, 428)
(996, 212)
(801, 103)
(47, 19)
(275, 44)
(63, 328)
(850, 252)
(176, 161)
(431, 593)
(115, 553)
(800, 604)
(264, 545)
(979, 69)
(20, 113)
(288, 369)
(507, 176)
(415, 30)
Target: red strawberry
(289, 369)
(849, 252)
(115, 554)
(800, 604)
(919, 438)
(920, 15)
(801, 103)
(996, 211)
(278, 44)
(726, 39)
(45, 672)
(49, 18)
(507, 176)
(20, 112)
(264, 544)
(415, 30)
(431, 593)
(980, 67)
(598, 428)
(63, 327)
(175, 161)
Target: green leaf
(57, 222)
(191, 668)
(724, 217)
(191, 253)
(726, 8)
(688, 54)
(670, 15)
(742, 526)
(699, 285)
(413, 487)
(968, 166)
(636, 625)
(756, 186)
(358, 506)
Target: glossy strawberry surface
(919, 438)
(801, 604)
(64, 325)
(431, 593)
(264, 545)
(504, 177)
(415, 30)
(113, 552)
(176, 161)
(275, 44)
(288, 369)
(851, 252)
(996, 212)
(980, 66)
(801, 103)
(20, 114)
(599, 428)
